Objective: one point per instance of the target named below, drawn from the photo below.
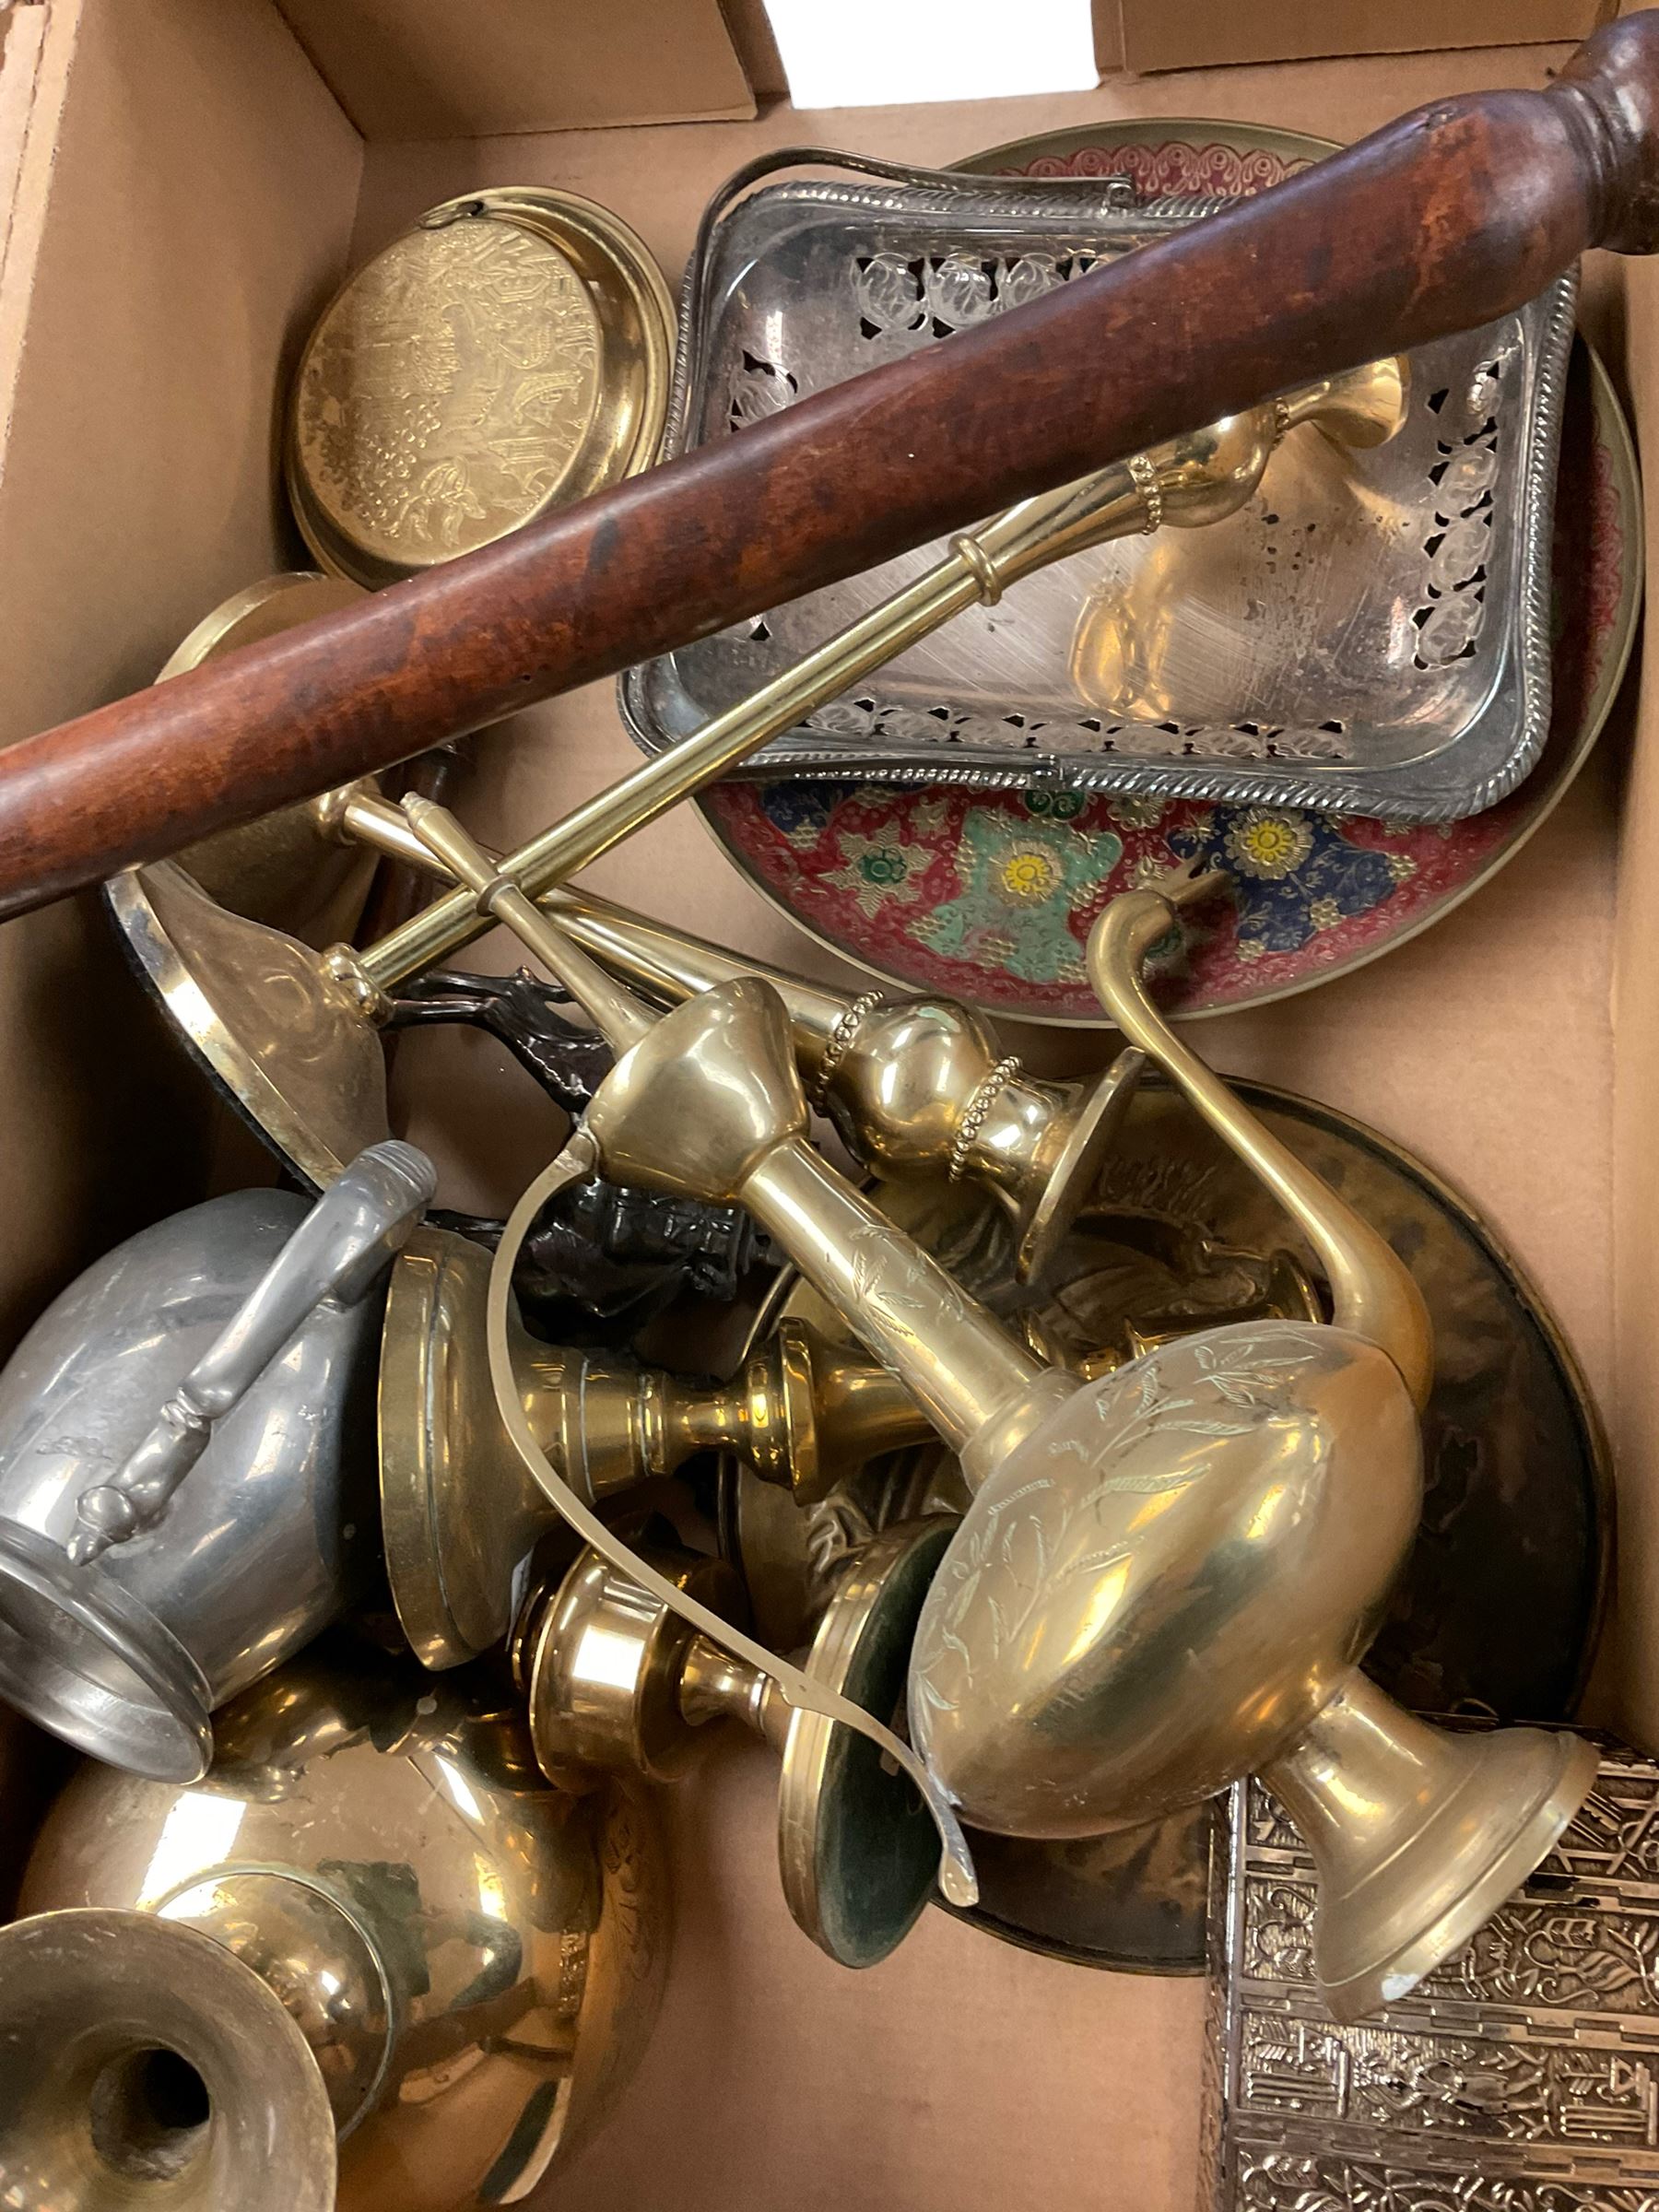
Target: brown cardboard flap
(1196, 34)
(488, 68)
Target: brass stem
(1372, 1293)
(1193, 480)
(716, 1685)
(620, 1017)
(963, 1367)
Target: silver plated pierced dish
(1368, 634)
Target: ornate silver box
(1370, 634)
(1522, 2076)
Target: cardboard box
(1199, 34)
(184, 189)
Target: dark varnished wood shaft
(1438, 223)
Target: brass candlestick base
(616, 1680)
(458, 1506)
(1418, 1835)
(146, 2069)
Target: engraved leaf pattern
(889, 293)
(1016, 1554)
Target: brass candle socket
(469, 1960)
(1167, 1577)
(458, 1507)
(291, 1033)
(616, 1680)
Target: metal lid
(509, 353)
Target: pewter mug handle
(337, 1254)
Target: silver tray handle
(338, 1254)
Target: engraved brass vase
(1167, 1576)
(473, 1957)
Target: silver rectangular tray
(1369, 635)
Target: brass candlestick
(618, 1681)
(1167, 1576)
(458, 1507)
(916, 1085)
(291, 1033)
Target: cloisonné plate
(990, 895)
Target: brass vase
(473, 1957)
(1167, 1576)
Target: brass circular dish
(509, 353)
(1499, 1606)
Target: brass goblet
(1167, 1577)
(472, 1958)
(146, 2069)
(616, 1680)
(291, 1034)
(458, 1508)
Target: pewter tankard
(187, 1461)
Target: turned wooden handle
(1443, 221)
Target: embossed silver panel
(1522, 2076)
(1368, 634)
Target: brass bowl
(509, 353)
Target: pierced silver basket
(1369, 635)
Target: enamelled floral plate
(990, 895)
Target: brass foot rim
(1095, 1121)
(1516, 1850)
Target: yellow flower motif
(1268, 846)
(1324, 914)
(1029, 872)
(1401, 866)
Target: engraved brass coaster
(1519, 2076)
(509, 353)
(1500, 1604)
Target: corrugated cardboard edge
(433, 70)
(1156, 35)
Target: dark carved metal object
(596, 1252)
(1439, 222)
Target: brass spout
(1372, 1293)
(618, 1681)
(458, 1508)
